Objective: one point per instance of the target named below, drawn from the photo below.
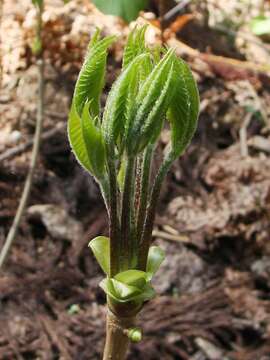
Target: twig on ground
(171, 13)
(23, 147)
(37, 138)
(28, 184)
(164, 235)
(243, 135)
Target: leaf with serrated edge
(114, 117)
(90, 81)
(184, 109)
(93, 142)
(135, 45)
(148, 96)
(76, 139)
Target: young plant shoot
(117, 148)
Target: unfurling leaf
(91, 77)
(117, 110)
(76, 140)
(152, 103)
(184, 109)
(135, 45)
(94, 143)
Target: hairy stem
(105, 192)
(117, 341)
(114, 229)
(150, 215)
(144, 189)
(126, 240)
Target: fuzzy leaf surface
(94, 143)
(184, 109)
(151, 105)
(90, 81)
(76, 139)
(135, 45)
(117, 107)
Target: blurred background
(214, 213)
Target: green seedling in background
(117, 147)
(126, 9)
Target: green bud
(135, 334)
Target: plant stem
(117, 341)
(144, 188)
(114, 229)
(37, 139)
(126, 243)
(150, 215)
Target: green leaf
(184, 109)
(101, 249)
(152, 103)
(132, 277)
(94, 143)
(260, 25)
(119, 291)
(124, 291)
(155, 257)
(76, 140)
(135, 45)
(117, 107)
(155, 120)
(90, 81)
(147, 294)
(126, 9)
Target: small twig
(10, 153)
(57, 340)
(243, 135)
(171, 13)
(37, 138)
(241, 34)
(182, 48)
(164, 235)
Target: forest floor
(214, 214)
